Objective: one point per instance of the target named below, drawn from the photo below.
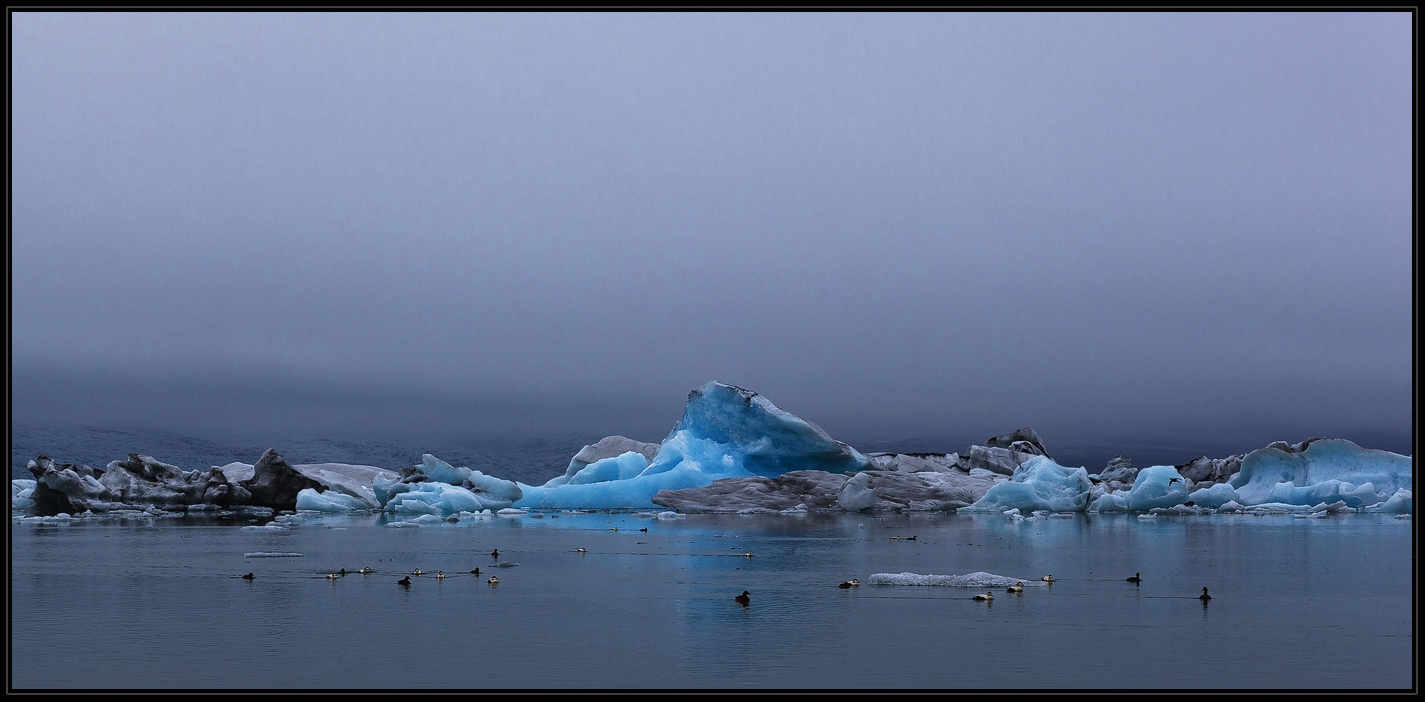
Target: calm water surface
(1297, 603)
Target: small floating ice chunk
(977, 579)
(272, 554)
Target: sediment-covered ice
(816, 490)
(977, 579)
(1038, 484)
(725, 432)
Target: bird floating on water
(332, 576)
(744, 599)
(1204, 596)
(493, 580)
(644, 529)
(1016, 588)
(404, 581)
(910, 538)
(850, 583)
(581, 549)
(475, 572)
(1048, 578)
(416, 571)
(988, 596)
(440, 575)
(249, 576)
(1135, 579)
(495, 553)
(747, 555)
(366, 571)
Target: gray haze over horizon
(1180, 230)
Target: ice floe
(977, 579)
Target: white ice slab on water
(977, 579)
(272, 554)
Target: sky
(1185, 231)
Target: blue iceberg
(438, 488)
(1215, 496)
(1157, 486)
(1038, 484)
(725, 432)
(1325, 470)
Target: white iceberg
(1038, 484)
(855, 495)
(20, 492)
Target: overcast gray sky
(1110, 227)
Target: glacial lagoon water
(158, 603)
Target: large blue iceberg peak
(725, 432)
(763, 438)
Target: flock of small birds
(745, 599)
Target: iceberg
(1399, 503)
(725, 432)
(857, 494)
(1039, 484)
(437, 488)
(1157, 486)
(816, 490)
(1321, 470)
(607, 447)
(1216, 497)
(623, 467)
